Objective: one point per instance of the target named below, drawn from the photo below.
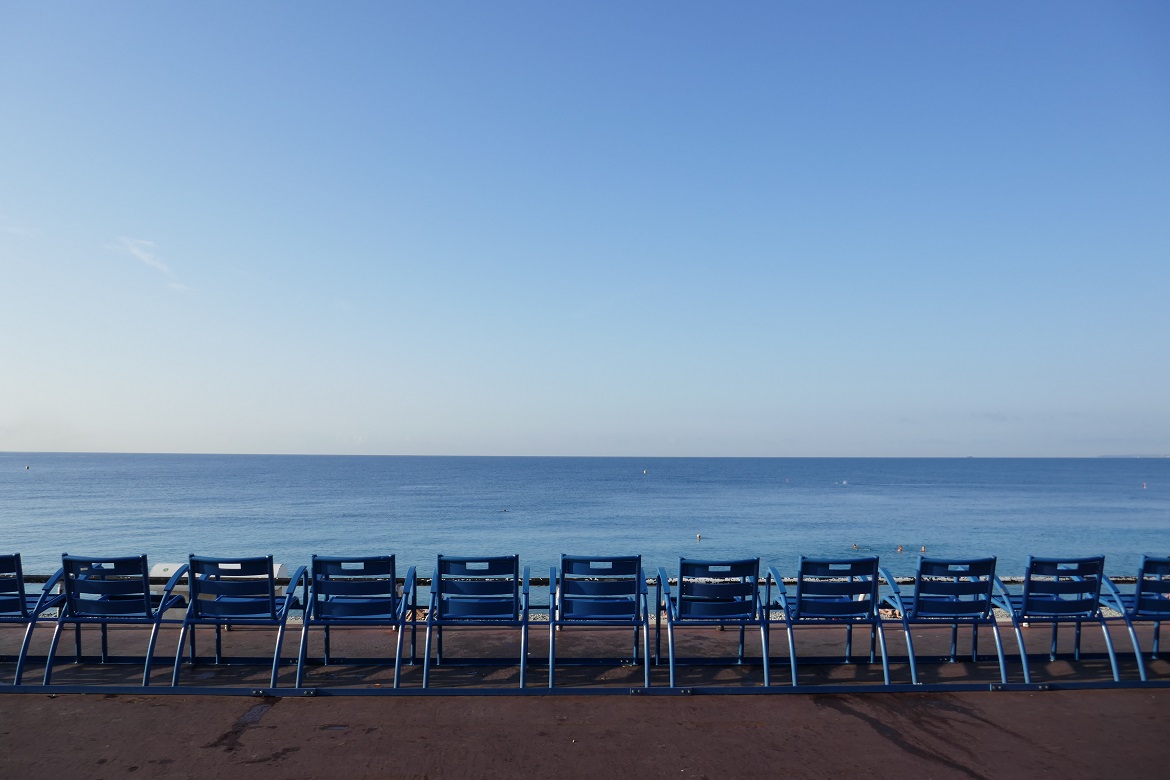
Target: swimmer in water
(899, 548)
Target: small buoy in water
(643, 471)
(26, 468)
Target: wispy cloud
(144, 251)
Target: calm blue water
(291, 506)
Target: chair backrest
(601, 588)
(353, 587)
(1152, 596)
(223, 588)
(1063, 587)
(13, 603)
(107, 587)
(718, 589)
(477, 588)
(842, 589)
(953, 588)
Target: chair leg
(427, 656)
(302, 652)
(398, 652)
(523, 652)
(52, 652)
(791, 651)
(885, 656)
(24, 651)
(1109, 647)
(1137, 650)
(179, 653)
(150, 654)
(766, 652)
(999, 652)
(910, 651)
(670, 648)
(552, 649)
(646, 653)
(276, 654)
(848, 643)
(1023, 651)
(328, 646)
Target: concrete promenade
(841, 724)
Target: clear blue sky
(664, 228)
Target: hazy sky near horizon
(684, 228)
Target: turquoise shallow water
(776, 508)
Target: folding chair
(599, 591)
(112, 591)
(1058, 590)
(713, 593)
(487, 591)
(355, 591)
(949, 591)
(230, 592)
(833, 592)
(18, 607)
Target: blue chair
(229, 592)
(17, 607)
(949, 592)
(1058, 590)
(599, 591)
(713, 593)
(355, 591)
(1149, 602)
(833, 592)
(488, 591)
(112, 591)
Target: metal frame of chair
(712, 593)
(1148, 603)
(112, 591)
(355, 591)
(1058, 590)
(599, 591)
(832, 591)
(18, 607)
(949, 591)
(229, 592)
(477, 591)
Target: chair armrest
(406, 604)
(1004, 600)
(781, 589)
(665, 598)
(52, 582)
(894, 597)
(300, 578)
(1111, 595)
(174, 580)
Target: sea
(776, 509)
